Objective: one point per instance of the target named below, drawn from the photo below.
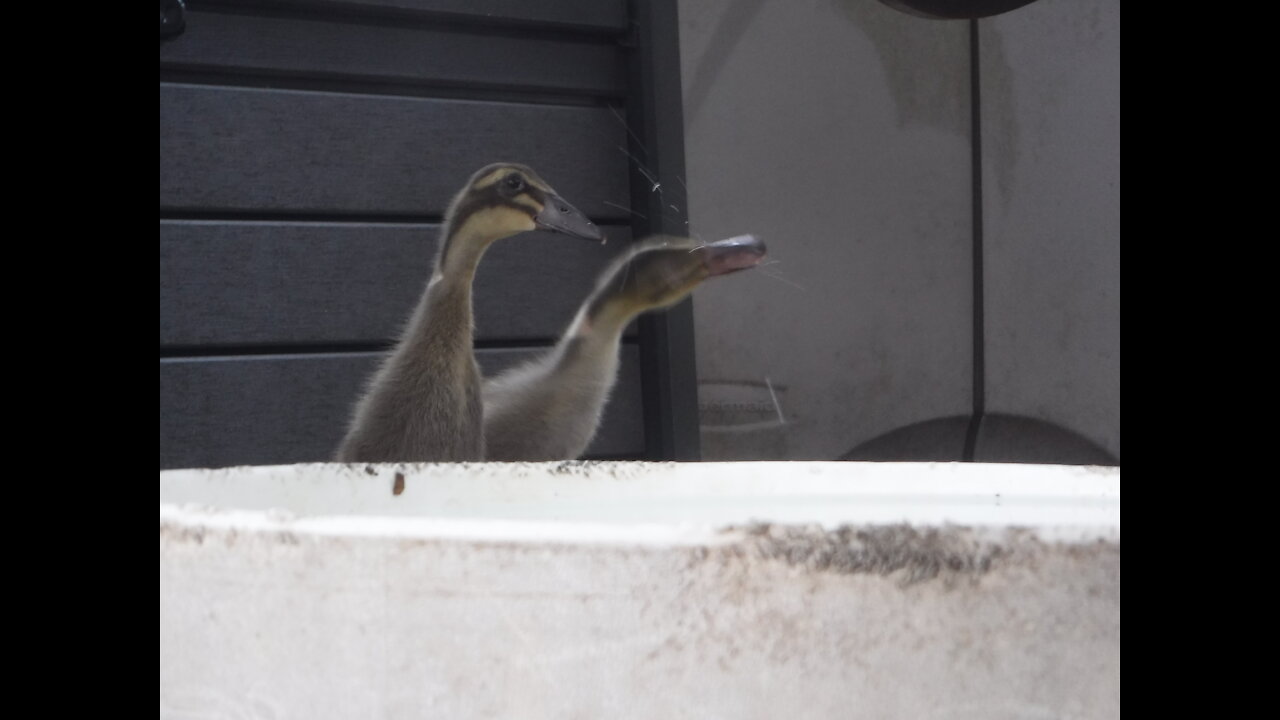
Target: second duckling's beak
(736, 253)
(560, 216)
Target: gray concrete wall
(839, 130)
(1051, 208)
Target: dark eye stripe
(485, 198)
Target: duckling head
(662, 271)
(503, 199)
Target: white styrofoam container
(640, 590)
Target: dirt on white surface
(286, 612)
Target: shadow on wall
(1000, 438)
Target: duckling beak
(560, 216)
(736, 253)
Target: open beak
(560, 216)
(736, 253)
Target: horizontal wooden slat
(278, 283)
(247, 150)
(577, 13)
(233, 43)
(589, 15)
(286, 409)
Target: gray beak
(560, 216)
(737, 253)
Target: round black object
(173, 19)
(955, 9)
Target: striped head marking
(515, 199)
(662, 270)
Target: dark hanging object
(173, 19)
(955, 9)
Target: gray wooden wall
(307, 153)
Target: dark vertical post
(655, 117)
(979, 329)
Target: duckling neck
(549, 409)
(600, 320)
(589, 350)
(424, 402)
(459, 255)
(442, 324)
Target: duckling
(550, 408)
(423, 403)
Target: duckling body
(424, 402)
(550, 408)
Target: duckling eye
(514, 182)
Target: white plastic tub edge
(644, 502)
